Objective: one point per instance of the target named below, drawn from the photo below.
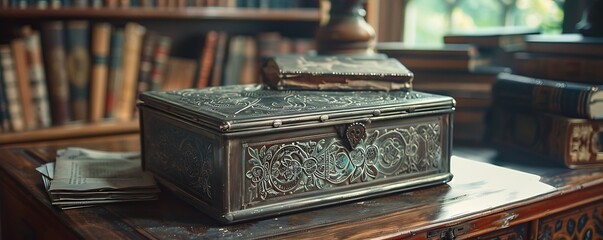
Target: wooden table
(518, 200)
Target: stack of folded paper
(83, 177)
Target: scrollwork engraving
(253, 101)
(181, 156)
(303, 166)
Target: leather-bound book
(218, 64)
(24, 83)
(569, 99)
(133, 35)
(115, 72)
(146, 61)
(4, 114)
(206, 59)
(573, 142)
(101, 35)
(78, 68)
(35, 65)
(58, 84)
(11, 89)
(160, 58)
(336, 73)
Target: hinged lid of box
(240, 107)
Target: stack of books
(496, 43)
(83, 177)
(456, 70)
(552, 106)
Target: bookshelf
(188, 13)
(185, 26)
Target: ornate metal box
(244, 152)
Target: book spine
(234, 61)
(24, 82)
(38, 79)
(111, 3)
(160, 58)
(58, 84)
(54, 4)
(569, 141)
(206, 59)
(78, 68)
(565, 98)
(4, 115)
(133, 34)
(115, 72)
(571, 69)
(11, 89)
(101, 35)
(216, 78)
(80, 3)
(249, 73)
(146, 61)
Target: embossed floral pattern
(293, 167)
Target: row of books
(552, 106)
(77, 72)
(86, 76)
(262, 4)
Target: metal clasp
(352, 134)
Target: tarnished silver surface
(294, 167)
(322, 148)
(239, 102)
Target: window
(426, 21)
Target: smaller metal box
(244, 152)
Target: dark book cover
(78, 68)
(146, 61)
(4, 114)
(206, 59)
(560, 97)
(447, 57)
(336, 73)
(573, 142)
(217, 70)
(572, 68)
(160, 58)
(574, 44)
(234, 61)
(58, 84)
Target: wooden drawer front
(582, 223)
(517, 232)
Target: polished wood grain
(72, 131)
(481, 199)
